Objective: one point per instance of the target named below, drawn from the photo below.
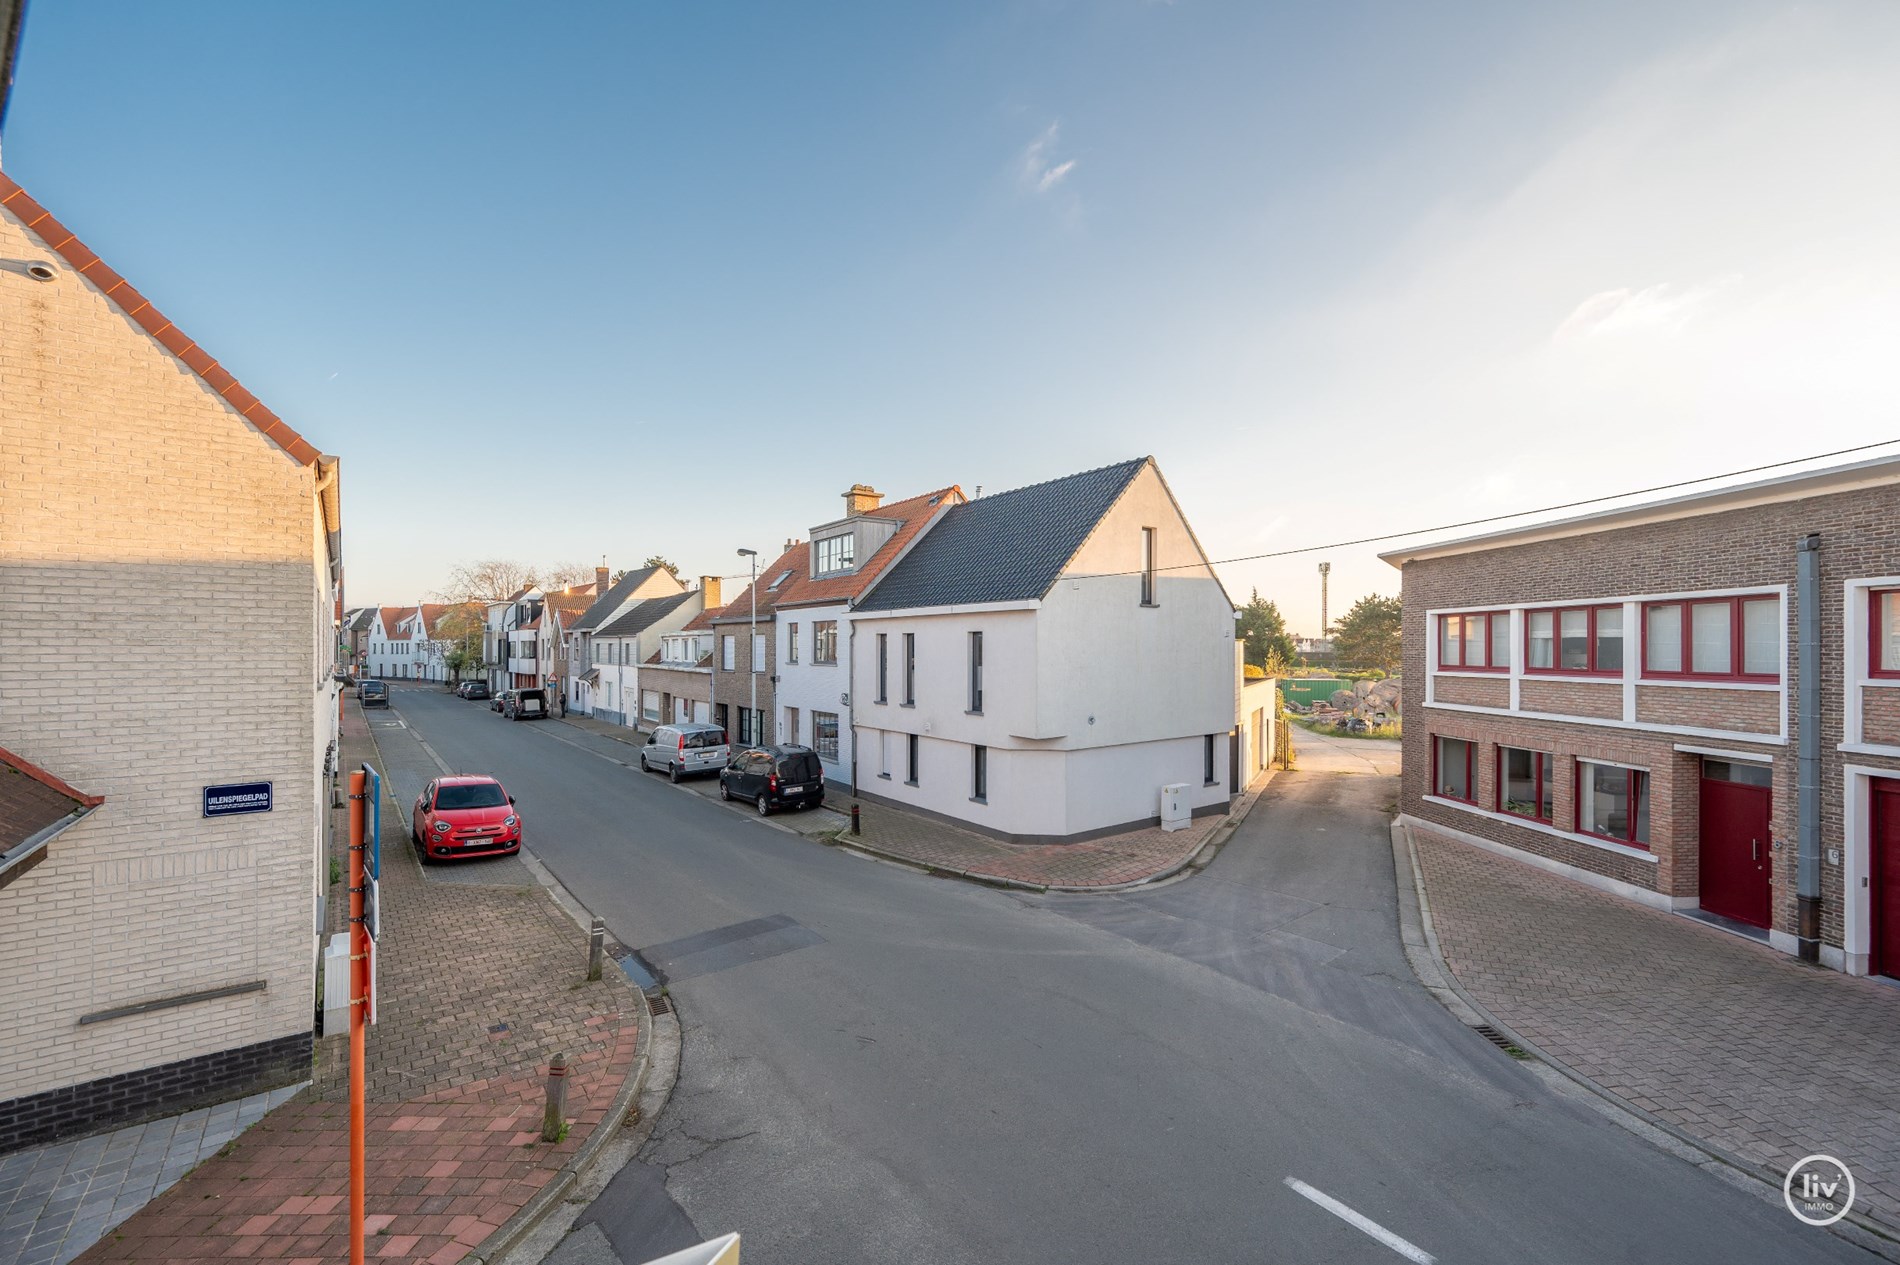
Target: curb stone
(529, 1216)
(1427, 960)
(1199, 859)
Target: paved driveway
(880, 1066)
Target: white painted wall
(812, 687)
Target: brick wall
(166, 622)
(1746, 711)
(1473, 691)
(1744, 548)
(1602, 699)
(1880, 716)
(734, 688)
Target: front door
(1736, 804)
(1885, 852)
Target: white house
(391, 649)
(812, 616)
(618, 648)
(582, 682)
(1041, 663)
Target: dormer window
(833, 553)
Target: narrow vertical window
(728, 653)
(791, 643)
(758, 652)
(910, 669)
(1147, 566)
(980, 774)
(1883, 617)
(1207, 760)
(911, 766)
(883, 666)
(976, 672)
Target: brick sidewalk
(1728, 1040)
(479, 986)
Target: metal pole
(359, 993)
(752, 649)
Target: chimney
(862, 499)
(789, 542)
(600, 580)
(709, 590)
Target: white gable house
(1042, 662)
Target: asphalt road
(884, 1067)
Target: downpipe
(1808, 760)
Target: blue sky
(569, 280)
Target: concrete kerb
(1196, 860)
(1427, 960)
(648, 1032)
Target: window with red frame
(1475, 643)
(1883, 614)
(1526, 782)
(1722, 638)
(1455, 769)
(1613, 803)
(1584, 640)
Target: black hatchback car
(773, 778)
(474, 689)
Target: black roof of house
(643, 615)
(1004, 548)
(610, 602)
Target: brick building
(745, 656)
(160, 828)
(1621, 698)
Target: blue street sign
(239, 797)
(373, 854)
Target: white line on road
(1410, 1251)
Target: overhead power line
(1547, 509)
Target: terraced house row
(1694, 703)
(1037, 664)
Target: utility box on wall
(1175, 813)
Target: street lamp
(751, 646)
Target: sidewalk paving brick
(1728, 1040)
(478, 988)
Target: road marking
(1366, 1225)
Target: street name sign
(238, 797)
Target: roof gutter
(32, 850)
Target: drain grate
(1501, 1041)
(658, 1005)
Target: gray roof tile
(611, 601)
(643, 615)
(1004, 548)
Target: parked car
(464, 816)
(500, 701)
(526, 705)
(372, 694)
(684, 749)
(474, 689)
(774, 777)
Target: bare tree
(487, 580)
(564, 575)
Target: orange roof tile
(913, 514)
(60, 240)
(796, 560)
(392, 622)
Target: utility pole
(1325, 625)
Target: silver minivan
(683, 749)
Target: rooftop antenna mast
(1325, 625)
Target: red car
(465, 817)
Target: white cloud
(1040, 172)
